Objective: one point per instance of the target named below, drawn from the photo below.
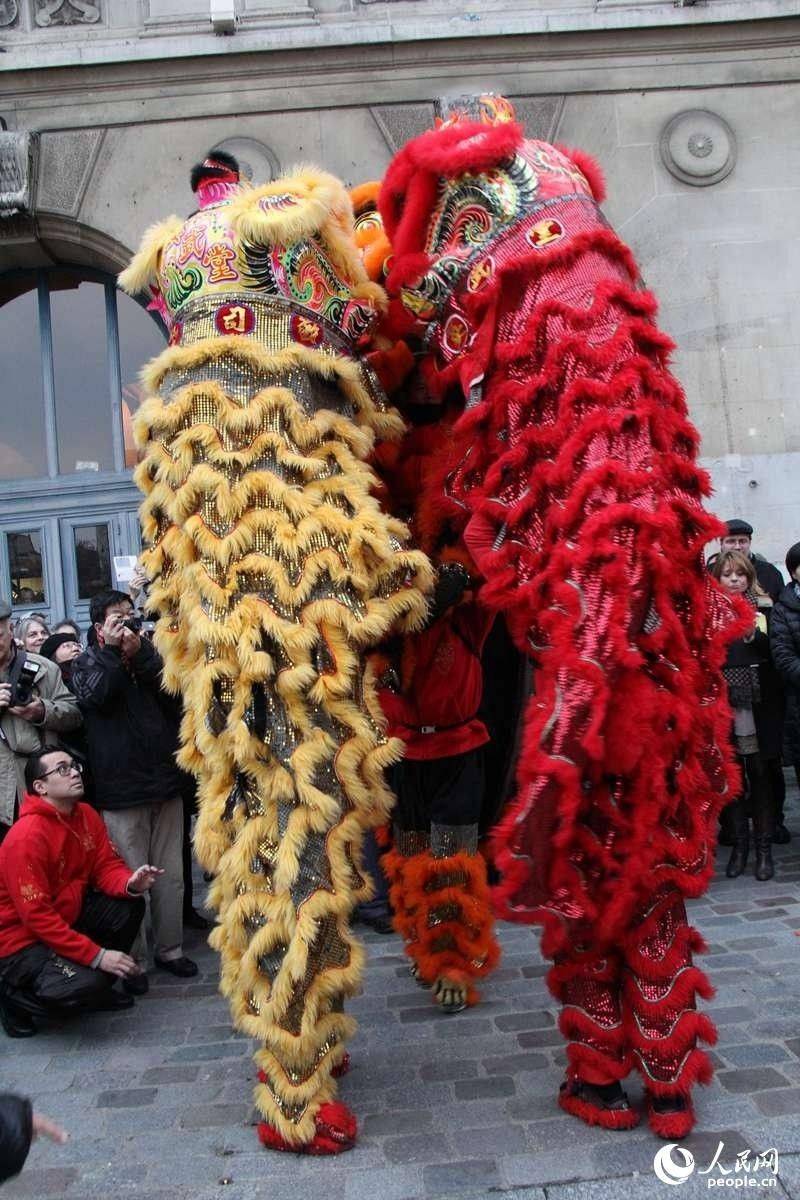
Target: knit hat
(737, 528)
(51, 644)
(793, 558)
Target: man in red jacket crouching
(70, 907)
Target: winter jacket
(435, 714)
(19, 738)
(768, 711)
(47, 863)
(131, 727)
(16, 1133)
(785, 647)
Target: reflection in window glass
(140, 339)
(25, 567)
(92, 559)
(83, 409)
(22, 439)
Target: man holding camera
(132, 734)
(33, 703)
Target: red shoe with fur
(336, 1132)
(605, 1106)
(670, 1117)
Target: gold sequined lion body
(272, 570)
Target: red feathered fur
(572, 474)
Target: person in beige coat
(25, 727)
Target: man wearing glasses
(70, 908)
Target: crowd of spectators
(92, 810)
(763, 677)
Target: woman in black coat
(785, 647)
(756, 696)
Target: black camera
(133, 623)
(22, 691)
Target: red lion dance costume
(572, 470)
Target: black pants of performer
(40, 981)
(440, 791)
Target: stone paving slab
(158, 1100)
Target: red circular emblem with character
(305, 330)
(175, 333)
(480, 274)
(456, 335)
(235, 318)
(545, 232)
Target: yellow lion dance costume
(272, 570)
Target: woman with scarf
(756, 696)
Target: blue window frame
(73, 347)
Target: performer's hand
(119, 964)
(44, 1127)
(143, 879)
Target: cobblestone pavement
(158, 1099)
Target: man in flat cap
(739, 537)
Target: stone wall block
(65, 167)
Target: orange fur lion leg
(454, 942)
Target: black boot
(15, 1021)
(763, 824)
(765, 868)
(737, 815)
(738, 859)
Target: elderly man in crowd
(70, 907)
(34, 705)
(132, 734)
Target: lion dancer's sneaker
(663, 1026)
(587, 984)
(299, 1122)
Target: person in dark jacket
(739, 537)
(785, 647)
(132, 735)
(19, 1125)
(756, 696)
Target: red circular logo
(175, 333)
(456, 335)
(305, 330)
(235, 318)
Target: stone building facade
(692, 108)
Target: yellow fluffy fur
(269, 492)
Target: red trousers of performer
(635, 1006)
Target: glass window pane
(22, 440)
(140, 339)
(92, 559)
(83, 408)
(25, 568)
